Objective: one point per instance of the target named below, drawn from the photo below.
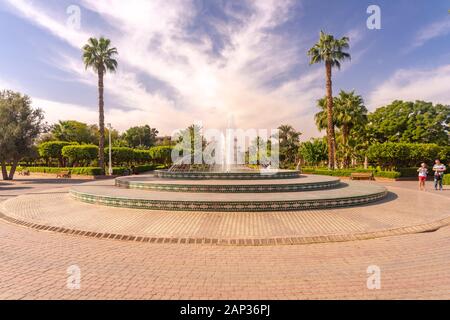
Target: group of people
(438, 169)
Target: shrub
(348, 172)
(80, 154)
(446, 180)
(388, 174)
(141, 156)
(161, 154)
(393, 155)
(53, 150)
(120, 155)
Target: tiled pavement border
(428, 227)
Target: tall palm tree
(349, 112)
(99, 55)
(330, 51)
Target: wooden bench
(361, 176)
(24, 172)
(63, 174)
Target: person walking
(423, 173)
(439, 169)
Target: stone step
(349, 194)
(302, 183)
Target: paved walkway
(33, 265)
(403, 211)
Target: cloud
(431, 31)
(199, 80)
(413, 84)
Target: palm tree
(349, 112)
(321, 119)
(99, 55)
(330, 51)
(289, 140)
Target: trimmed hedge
(401, 155)
(80, 154)
(161, 154)
(91, 171)
(53, 150)
(348, 172)
(446, 180)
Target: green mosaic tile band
(254, 188)
(244, 175)
(227, 206)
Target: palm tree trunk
(345, 134)
(101, 122)
(330, 124)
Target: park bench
(63, 174)
(361, 176)
(24, 172)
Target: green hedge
(446, 180)
(402, 155)
(348, 172)
(80, 154)
(91, 171)
(53, 149)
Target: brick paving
(404, 211)
(33, 265)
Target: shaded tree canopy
(75, 131)
(143, 136)
(411, 122)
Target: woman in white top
(423, 172)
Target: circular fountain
(234, 191)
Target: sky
(208, 61)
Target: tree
(20, 125)
(80, 154)
(140, 137)
(289, 140)
(99, 55)
(53, 150)
(411, 122)
(349, 112)
(314, 151)
(330, 51)
(74, 131)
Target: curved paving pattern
(33, 265)
(302, 183)
(403, 212)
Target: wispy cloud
(413, 84)
(431, 31)
(199, 80)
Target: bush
(120, 155)
(348, 172)
(53, 150)
(393, 155)
(141, 156)
(446, 180)
(80, 154)
(388, 174)
(161, 154)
